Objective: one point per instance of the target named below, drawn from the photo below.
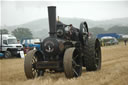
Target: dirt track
(114, 71)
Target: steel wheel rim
(76, 64)
(34, 70)
(97, 55)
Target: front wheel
(72, 63)
(30, 65)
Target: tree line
(21, 33)
(114, 29)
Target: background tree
(21, 33)
(4, 31)
(118, 29)
(96, 30)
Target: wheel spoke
(40, 72)
(97, 49)
(35, 59)
(77, 65)
(96, 65)
(75, 57)
(96, 54)
(37, 73)
(97, 58)
(75, 72)
(34, 72)
(33, 69)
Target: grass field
(114, 71)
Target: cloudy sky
(14, 12)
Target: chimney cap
(51, 6)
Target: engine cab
(67, 32)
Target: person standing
(125, 42)
(18, 41)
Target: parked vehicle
(30, 44)
(109, 40)
(9, 46)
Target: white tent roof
(124, 36)
(107, 37)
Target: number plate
(19, 48)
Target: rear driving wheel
(72, 63)
(30, 65)
(92, 57)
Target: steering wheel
(83, 34)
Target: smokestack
(52, 20)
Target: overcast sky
(14, 12)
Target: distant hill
(40, 27)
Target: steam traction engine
(67, 49)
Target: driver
(73, 32)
